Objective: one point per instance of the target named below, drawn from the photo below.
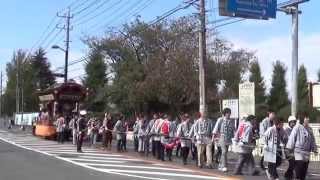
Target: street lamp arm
(58, 47)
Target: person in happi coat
(203, 132)
(150, 137)
(288, 129)
(183, 133)
(120, 131)
(81, 129)
(264, 125)
(274, 139)
(302, 142)
(246, 142)
(224, 130)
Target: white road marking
(31, 141)
(30, 144)
(55, 147)
(84, 153)
(71, 150)
(58, 149)
(139, 167)
(109, 158)
(79, 164)
(162, 173)
(43, 147)
(95, 160)
(106, 171)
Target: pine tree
(43, 76)
(255, 76)
(302, 89)
(95, 80)
(278, 98)
(10, 96)
(260, 89)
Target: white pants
(141, 145)
(201, 148)
(74, 136)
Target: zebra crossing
(102, 161)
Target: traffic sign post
(265, 9)
(292, 8)
(290, 3)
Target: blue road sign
(256, 9)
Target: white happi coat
(244, 140)
(302, 142)
(183, 133)
(270, 143)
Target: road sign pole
(295, 46)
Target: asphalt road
(17, 163)
(31, 158)
(25, 156)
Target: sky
(26, 24)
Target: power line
(76, 69)
(55, 42)
(147, 4)
(122, 13)
(77, 61)
(87, 7)
(53, 39)
(131, 9)
(114, 13)
(45, 31)
(169, 13)
(78, 76)
(39, 42)
(140, 9)
(90, 12)
(225, 24)
(45, 35)
(165, 15)
(79, 5)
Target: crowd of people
(207, 141)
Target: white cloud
(279, 48)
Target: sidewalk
(177, 162)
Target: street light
(58, 47)
(66, 61)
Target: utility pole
(295, 47)
(202, 59)
(292, 8)
(1, 95)
(22, 102)
(67, 41)
(18, 87)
